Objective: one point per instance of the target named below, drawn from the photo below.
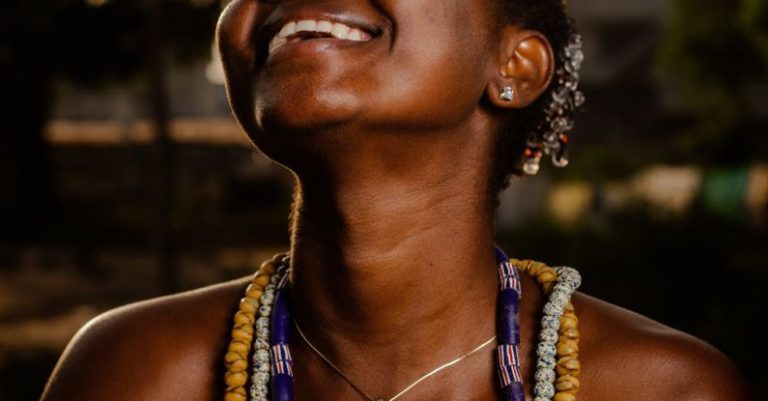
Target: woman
(401, 122)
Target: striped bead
(508, 322)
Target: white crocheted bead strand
(261, 356)
(568, 280)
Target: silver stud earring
(507, 94)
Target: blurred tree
(717, 52)
(25, 194)
(89, 42)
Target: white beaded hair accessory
(551, 136)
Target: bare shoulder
(161, 349)
(631, 357)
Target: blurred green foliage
(717, 52)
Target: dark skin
(391, 143)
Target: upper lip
(281, 17)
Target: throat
(390, 273)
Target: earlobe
(525, 66)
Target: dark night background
(124, 177)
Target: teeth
(355, 34)
(340, 31)
(324, 26)
(288, 29)
(306, 25)
(275, 43)
(337, 30)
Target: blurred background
(123, 175)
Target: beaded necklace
(557, 350)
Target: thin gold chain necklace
(407, 388)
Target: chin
(299, 113)
(290, 128)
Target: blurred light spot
(96, 3)
(757, 193)
(212, 131)
(214, 71)
(570, 203)
(669, 190)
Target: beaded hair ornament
(551, 136)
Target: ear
(525, 63)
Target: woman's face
(386, 64)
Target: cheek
(438, 69)
(234, 34)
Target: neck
(386, 263)
(381, 274)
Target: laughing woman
(401, 121)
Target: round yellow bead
(248, 328)
(248, 306)
(235, 379)
(234, 397)
(568, 365)
(564, 397)
(268, 267)
(231, 357)
(523, 265)
(240, 365)
(569, 321)
(566, 383)
(253, 287)
(567, 347)
(547, 277)
(242, 329)
(261, 280)
(242, 335)
(242, 318)
(255, 294)
(571, 334)
(253, 301)
(537, 269)
(239, 347)
(238, 390)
